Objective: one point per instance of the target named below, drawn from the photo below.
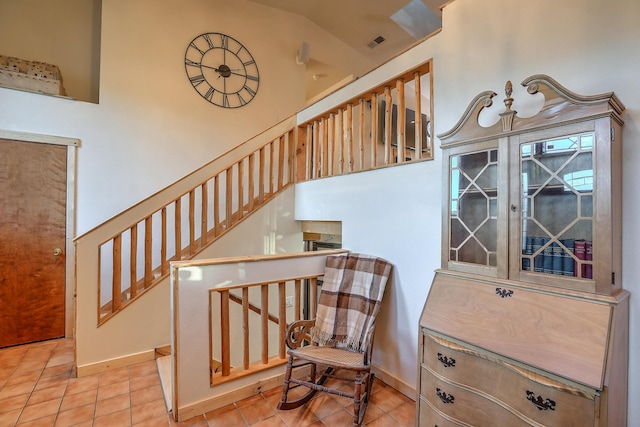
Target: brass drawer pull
(504, 292)
(446, 398)
(541, 404)
(446, 361)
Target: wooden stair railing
(222, 369)
(370, 131)
(137, 258)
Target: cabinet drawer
(430, 417)
(538, 398)
(464, 405)
(551, 332)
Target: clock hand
(207, 66)
(238, 74)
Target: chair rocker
(341, 336)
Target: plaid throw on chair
(349, 300)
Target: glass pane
(473, 208)
(557, 205)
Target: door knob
(57, 251)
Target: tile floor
(37, 388)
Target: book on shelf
(588, 256)
(547, 259)
(538, 261)
(557, 258)
(527, 251)
(580, 253)
(568, 262)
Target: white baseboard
(189, 411)
(119, 362)
(386, 377)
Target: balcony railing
(388, 125)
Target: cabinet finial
(507, 115)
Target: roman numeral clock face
(222, 70)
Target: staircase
(128, 256)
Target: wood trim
(189, 411)
(417, 142)
(225, 336)
(245, 327)
(148, 251)
(116, 286)
(118, 362)
(40, 138)
(401, 156)
(560, 106)
(394, 382)
(204, 217)
(282, 319)
(264, 316)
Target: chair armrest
(298, 332)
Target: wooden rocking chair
(341, 336)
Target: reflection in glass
(473, 208)
(557, 205)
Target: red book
(588, 256)
(580, 253)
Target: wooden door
(32, 241)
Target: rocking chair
(341, 336)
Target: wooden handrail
(242, 301)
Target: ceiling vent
(375, 42)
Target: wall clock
(222, 70)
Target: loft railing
(390, 124)
(231, 315)
(127, 256)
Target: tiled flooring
(37, 388)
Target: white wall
(588, 46)
(151, 127)
(394, 214)
(65, 33)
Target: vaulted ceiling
(357, 23)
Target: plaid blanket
(350, 300)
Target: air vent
(375, 42)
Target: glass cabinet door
(557, 199)
(473, 208)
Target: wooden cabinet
(537, 199)
(522, 326)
